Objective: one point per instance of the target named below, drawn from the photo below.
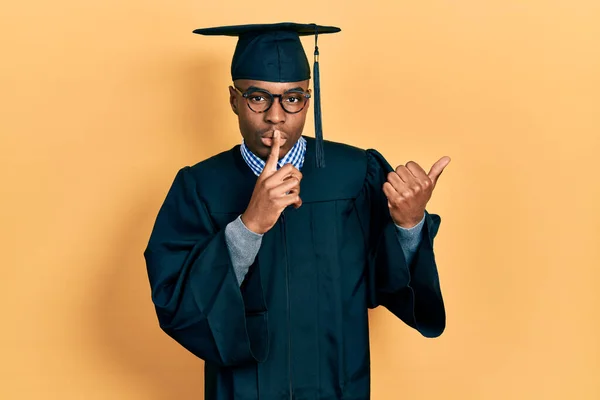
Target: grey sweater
(243, 244)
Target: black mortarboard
(274, 53)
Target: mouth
(267, 139)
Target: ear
(233, 100)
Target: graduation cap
(274, 53)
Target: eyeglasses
(260, 100)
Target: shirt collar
(295, 157)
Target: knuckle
(406, 193)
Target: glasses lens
(259, 101)
(293, 101)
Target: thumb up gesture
(409, 188)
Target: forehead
(273, 87)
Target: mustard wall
(102, 102)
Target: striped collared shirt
(295, 157)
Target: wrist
(251, 226)
(409, 224)
(406, 225)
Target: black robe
(297, 327)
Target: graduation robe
(297, 327)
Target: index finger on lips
(271, 164)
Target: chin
(260, 150)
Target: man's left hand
(409, 188)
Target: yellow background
(101, 102)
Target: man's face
(257, 128)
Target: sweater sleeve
(243, 246)
(410, 238)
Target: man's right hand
(273, 192)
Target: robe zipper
(287, 291)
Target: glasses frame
(254, 89)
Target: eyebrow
(287, 90)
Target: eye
(293, 97)
(257, 98)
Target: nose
(276, 114)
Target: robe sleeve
(197, 298)
(411, 292)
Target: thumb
(437, 169)
(271, 164)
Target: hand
(409, 188)
(273, 192)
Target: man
(264, 262)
